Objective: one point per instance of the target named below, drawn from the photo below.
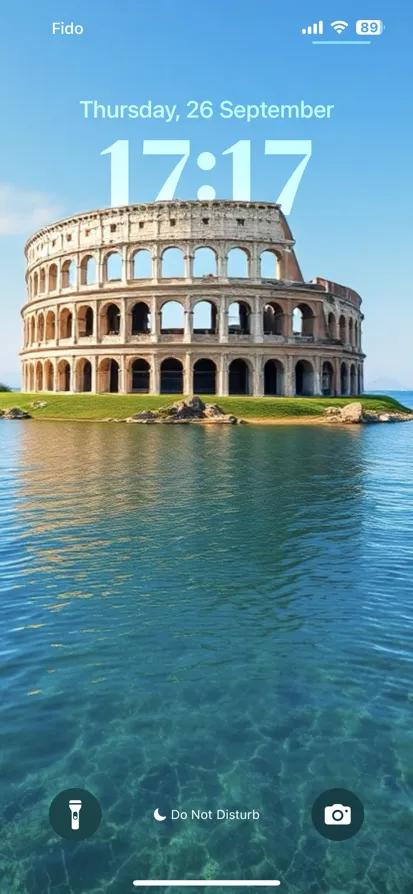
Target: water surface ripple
(203, 618)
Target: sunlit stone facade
(184, 297)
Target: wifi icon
(339, 27)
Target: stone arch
(112, 267)
(65, 324)
(342, 325)
(68, 274)
(172, 318)
(303, 320)
(304, 378)
(48, 375)
(239, 377)
(53, 278)
(331, 325)
(205, 317)
(172, 263)
(39, 376)
(273, 319)
(88, 270)
(273, 377)
(108, 375)
(205, 262)
(42, 281)
(239, 314)
(36, 283)
(64, 376)
(238, 261)
(83, 375)
(50, 325)
(172, 376)
(204, 376)
(270, 264)
(40, 327)
(353, 379)
(350, 331)
(141, 264)
(112, 315)
(140, 376)
(343, 378)
(328, 379)
(140, 318)
(85, 321)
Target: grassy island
(95, 407)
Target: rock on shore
(14, 413)
(355, 414)
(191, 410)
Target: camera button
(337, 814)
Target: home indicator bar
(203, 883)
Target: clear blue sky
(352, 216)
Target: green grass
(102, 406)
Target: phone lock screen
(206, 447)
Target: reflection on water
(203, 618)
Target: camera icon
(337, 815)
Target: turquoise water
(202, 618)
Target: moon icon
(158, 816)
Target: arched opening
(343, 378)
(353, 379)
(141, 320)
(205, 318)
(238, 377)
(66, 323)
(304, 378)
(68, 274)
(36, 284)
(109, 376)
(273, 319)
(48, 375)
(112, 267)
(327, 385)
(40, 328)
(273, 377)
(32, 330)
(350, 331)
(85, 319)
(112, 318)
(140, 376)
(172, 376)
(342, 329)
(42, 281)
(237, 263)
(88, 270)
(84, 375)
(270, 265)
(205, 373)
(205, 262)
(39, 376)
(53, 278)
(50, 326)
(172, 263)
(63, 376)
(331, 326)
(172, 318)
(303, 320)
(142, 264)
(239, 318)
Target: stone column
(155, 382)
(122, 330)
(156, 264)
(122, 374)
(188, 263)
(155, 321)
(221, 264)
(258, 377)
(56, 324)
(125, 274)
(77, 273)
(257, 327)
(289, 375)
(222, 383)
(74, 323)
(223, 321)
(317, 376)
(188, 322)
(254, 264)
(94, 364)
(188, 376)
(99, 269)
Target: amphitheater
(184, 297)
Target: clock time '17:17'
(241, 168)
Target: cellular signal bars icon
(317, 28)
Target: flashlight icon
(75, 808)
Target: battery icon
(369, 26)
